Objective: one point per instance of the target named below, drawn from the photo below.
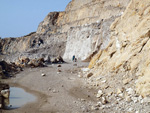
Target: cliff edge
(127, 53)
(81, 30)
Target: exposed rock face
(84, 25)
(49, 24)
(4, 93)
(127, 52)
(7, 70)
(84, 41)
(90, 26)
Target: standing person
(73, 58)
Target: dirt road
(59, 91)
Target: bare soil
(57, 92)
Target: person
(73, 58)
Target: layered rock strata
(126, 56)
(80, 30)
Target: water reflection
(18, 97)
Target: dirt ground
(60, 91)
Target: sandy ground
(62, 92)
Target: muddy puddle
(18, 98)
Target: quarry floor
(61, 90)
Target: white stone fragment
(131, 110)
(43, 74)
(140, 98)
(85, 69)
(120, 95)
(135, 99)
(5, 93)
(104, 81)
(79, 76)
(130, 91)
(99, 94)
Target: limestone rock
(8, 69)
(80, 76)
(104, 100)
(99, 94)
(36, 62)
(5, 93)
(84, 70)
(126, 81)
(128, 45)
(43, 74)
(128, 99)
(81, 30)
(58, 59)
(130, 91)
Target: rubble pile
(8, 69)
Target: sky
(21, 17)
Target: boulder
(8, 69)
(5, 93)
(47, 59)
(36, 62)
(58, 59)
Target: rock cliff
(126, 56)
(81, 30)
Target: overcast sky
(20, 17)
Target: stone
(47, 59)
(109, 94)
(54, 91)
(89, 75)
(104, 100)
(5, 93)
(0, 106)
(130, 91)
(137, 112)
(126, 81)
(99, 94)
(98, 104)
(79, 76)
(122, 56)
(8, 69)
(83, 99)
(119, 91)
(104, 81)
(128, 99)
(58, 72)
(103, 107)
(35, 63)
(121, 95)
(58, 59)
(130, 109)
(85, 69)
(43, 74)
(140, 98)
(59, 65)
(135, 99)
(94, 108)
